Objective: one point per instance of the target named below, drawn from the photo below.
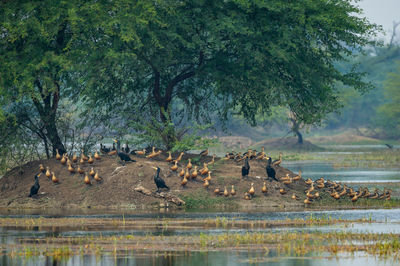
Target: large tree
(164, 60)
(35, 44)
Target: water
(315, 170)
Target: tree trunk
(54, 138)
(299, 137)
(296, 130)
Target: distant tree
(163, 62)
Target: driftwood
(163, 195)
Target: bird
(247, 196)
(216, 191)
(208, 178)
(97, 156)
(63, 160)
(282, 191)
(104, 149)
(123, 156)
(297, 177)
(252, 191)
(390, 146)
(58, 156)
(204, 153)
(97, 177)
(90, 160)
(160, 183)
(92, 172)
(74, 158)
(154, 153)
(41, 168)
(179, 157)
(194, 173)
(189, 165)
(246, 168)
(233, 191)
(307, 201)
(204, 170)
(278, 161)
(142, 152)
(212, 160)
(71, 169)
(48, 173)
(80, 170)
(187, 174)
(36, 186)
(54, 178)
(206, 183)
(264, 188)
(226, 193)
(182, 173)
(127, 149)
(295, 197)
(169, 158)
(83, 156)
(87, 180)
(184, 181)
(270, 171)
(175, 166)
(113, 151)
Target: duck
(277, 162)
(92, 172)
(153, 153)
(179, 157)
(354, 198)
(216, 191)
(187, 174)
(71, 169)
(307, 201)
(41, 168)
(35, 187)
(206, 183)
(169, 158)
(113, 151)
(204, 170)
(58, 156)
(175, 166)
(375, 195)
(297, 177)
(252, 191)
(122, 156)
(90, 160)
(264, 188)
(54, 178)
(212, 160)
(309, 181)
(204, 153)
(48, 173)
(226, 193)
(81, 161)
(282, 191)
(182, 173)
(80, 170)
(208, 177)
(233, 191)
(194, 173)
(246, 168)
(320, 185)
(87, 180)
(97, 177)
(83, 156)
(160, 183)
(247, 196)
(261, 154)
(142, 152)
(295, 197)
(74, 158)
(63, 160)
(270, 170)
(287, 181)
(189, 165)
(97, 156)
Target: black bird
(246, 168)
(104, 149)
(123, 156)
(160, 183)
(127, 149)
(36, 186)
(270, 171)
(389, 146)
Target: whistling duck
(187, 174)
(179, 157)
(320, 185)
(233, 191)
(80, 170)
(297, 177)
(92, 172)
(74, 158)
(175, 166)
(208, 177)
(354, 198)
(90, 160)
(153, 153)
(81, 161)
(226, 193)
(54, 178)
(63, 160)
(261, 153)
(142, 152)
(375, 195)
(48, 173)
(264, 188)
(97, 177)
(169, 158)
(41, 168)
(246, 168)
(204, 153)
(336, 195)
(71, 169)
(270, 171)
(58, 156)
(227, 157)
(87, 180)
(282, 191)
(216, 191)
(212, 160)
(194, 173)
(252, 191)
(309, 181)
(206, 183)
(204, 170)
(97, 156)
(113, 150)
(307, 201)
(36, 186)
(189, 165)
(182, 172)
(83, 156)
(247, 196)
(287, 181)
(277, 162)
(160, 183)
(295, 197)
(122, 156)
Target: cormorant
(270, 171)
(123, 156)
(36, 186)
(160, 183)
(389, 146)
(246, 168)
(104, 149)
(127, 149)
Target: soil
(288, 143)
(117, 188)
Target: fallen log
(163, 195)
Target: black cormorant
(246, 168)
(158, 180)
(270, 171)
(127, 149)
(104, 149)
(123, 156)
(36, 186)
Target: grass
(200, 200)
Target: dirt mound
(348, 136)
(289, 143)
(117, 188)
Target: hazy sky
(382, 12)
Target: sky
(382, 12)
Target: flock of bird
(191, 172)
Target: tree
(180, 60)
(35, 39)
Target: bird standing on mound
(270, 171)
(35, 187)
(246, 168)
(160, 183)
(123, 156)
